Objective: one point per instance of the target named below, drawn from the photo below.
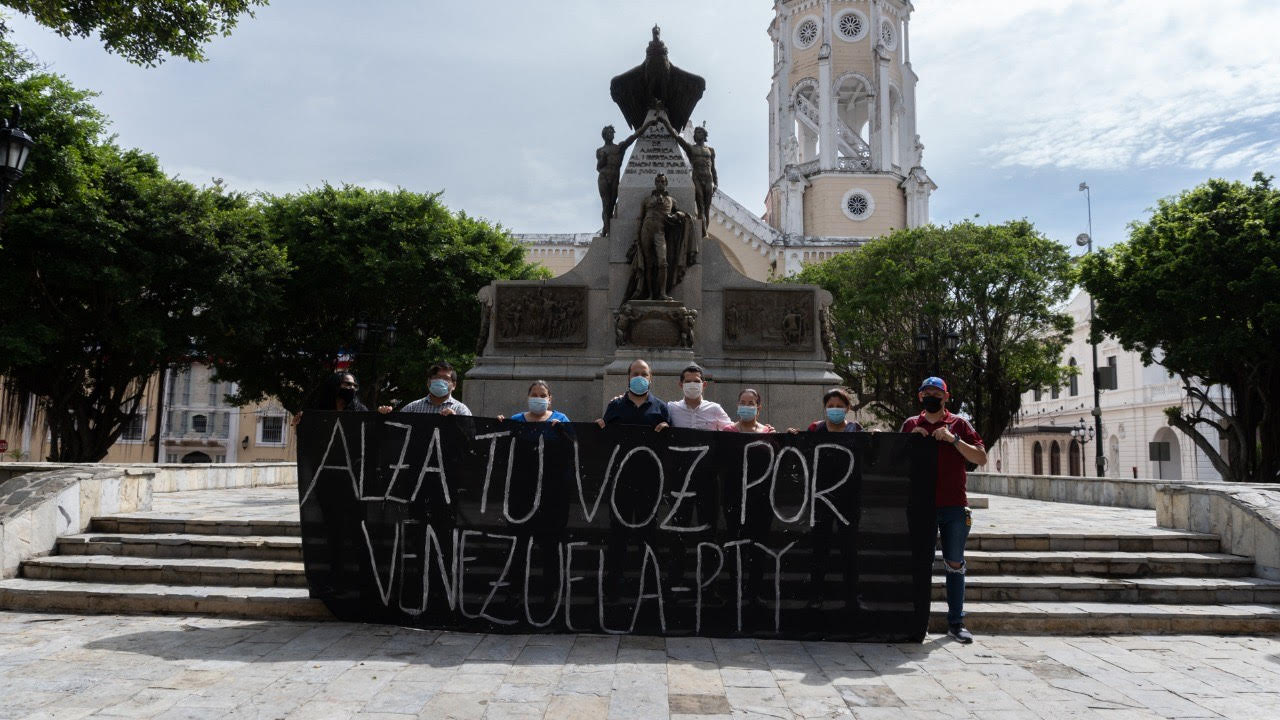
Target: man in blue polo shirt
(638, 406)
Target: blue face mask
(440, 388)
(747, 412)
(638, 385)
(539, 405)
(835, 416)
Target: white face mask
(693, 390)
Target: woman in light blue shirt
(540, 406)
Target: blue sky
(500, 104)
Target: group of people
(958, 443)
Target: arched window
(1055, 458)
(804, 100)
(855, 108)
(199, 423)
(1037, 459)
(196, 457)
(1075, 458)
(1075, 379)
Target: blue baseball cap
(934, 382)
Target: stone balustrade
(180, 477)
(40, 502)
(1109, 491)
(37, 508)
(1245, 517)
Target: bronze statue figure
(703, 159)
(609, 166)
(657, 83)
(666, 246)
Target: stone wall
(1245, 517)
(1112, 492)
(37, 508)
(176, 477)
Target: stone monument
(654, 287)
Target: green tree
(109, 269)
(141, 32)
(399, 258)
(103, 287)
(998, 287)
(1197, 289)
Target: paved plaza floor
(66, 667)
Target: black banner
(479, 525)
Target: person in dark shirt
(638, 406)
(836, 402)
(337, 392)
(958, 443)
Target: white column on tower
(826, 99)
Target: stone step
(139, 599)
(146, 524)
(1104, 563)
(166, 571)
(1066, 589)
(1172, 541)
(1083, 618)
(169, 545)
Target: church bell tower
(845, 161)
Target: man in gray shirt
(439, 400)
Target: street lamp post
(1082, 434)
(1086, 241)
(387, 331)
(931, 340)
(15, 147)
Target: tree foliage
(109, 268)
(997, 286)
(387, 257)
(1197, 289)
(105, 286)
(141, 32)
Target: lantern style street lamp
(364, 348)
(15, 147)
(931, 341)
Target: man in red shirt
(958, 443)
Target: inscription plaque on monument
(769, 319)
(540, 315)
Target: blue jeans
(953, 527)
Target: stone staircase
(136, 564)
(1079, 584)
(1051, 583)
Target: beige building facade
(1040, 442)
(197, 425)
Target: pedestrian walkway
(191, 668)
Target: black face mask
(931, 404)
(346, 395)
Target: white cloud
(1097, 84)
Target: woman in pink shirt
(749, 407)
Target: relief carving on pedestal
(772, 319)
(541, 316)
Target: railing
(850, 142)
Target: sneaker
(960, 634)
